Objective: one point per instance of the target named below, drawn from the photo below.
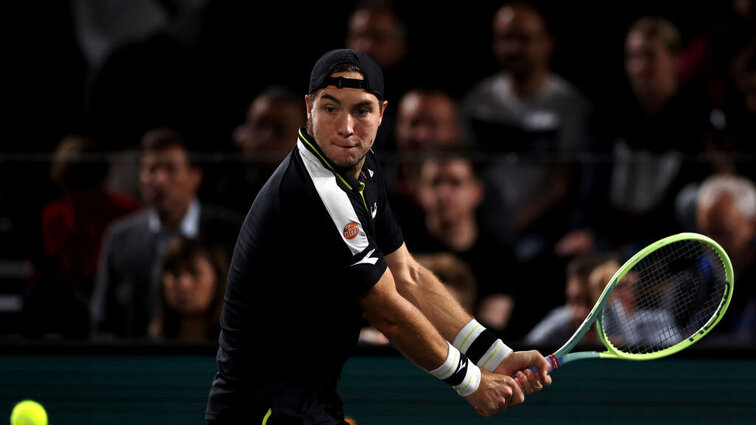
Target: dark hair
(456, 152)
(583, 264)
(75, 165)
(179, 256)
(164, 138)
(161, 138)
(280, 94)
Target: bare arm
(423, 289)
(404, 325)
(416, 338)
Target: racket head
(665, 298)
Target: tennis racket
(662, 300)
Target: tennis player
(320, 250)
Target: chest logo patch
(351, 230)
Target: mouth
(347, 146)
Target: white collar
(189, 224)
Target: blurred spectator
(124, 300)
(72, 231)
(427, 119)
(731, 143)
(587, 274)
(139, 57)
(190, 296)
(726, 212)
(655, 139)
(268, 133)
(450, 193)
(453, 272)
(537, 118)
(709, 58)
(374, 27)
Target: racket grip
(554, 361)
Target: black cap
(371, 72)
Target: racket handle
(554, 361)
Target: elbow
(409, 282)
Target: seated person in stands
(190, 297)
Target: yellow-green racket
(662, 300)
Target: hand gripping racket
(662, 300)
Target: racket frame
(563, 355)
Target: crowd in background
(521, 172)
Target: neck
(458, 236)
(528, 85)
(653, 104)
(171, 220)
(355, 171)
(193, 328)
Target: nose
(160, 176)
(346, 126)
(184, 281)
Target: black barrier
(156, 384)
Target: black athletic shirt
(313, 241)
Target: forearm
(409, 332)
(423, 289)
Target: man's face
(167, 179)
(449, 189)
(271, 127)
(376, 33)
(521, 43)
(723, 222)
(425, 121)
(650, 67)
(344, 122)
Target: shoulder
(557, 87)
(216, 213)
(493, 83)
(134, 222)
(126, 231)
(123, 202)
(486, 89)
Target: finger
(541, 362)
(517, 395)
(533, 380)
(545, 377)
(524, 383)
(482, 412)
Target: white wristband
(471, 382)
(481, 345)
(449, 366)
(451, 371)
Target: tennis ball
(28, 412)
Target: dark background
(243, 46)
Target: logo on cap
(351, 230)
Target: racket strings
(665, 298)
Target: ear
(479, 191)
(196, 176)
(308, 104)
(383, 110)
